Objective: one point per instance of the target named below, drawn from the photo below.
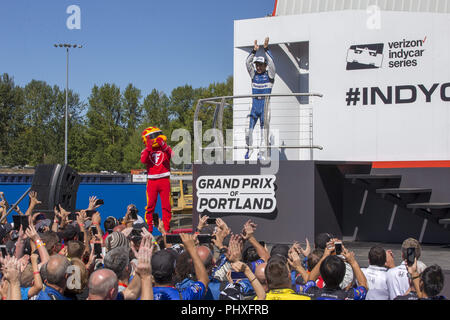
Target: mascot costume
(156, 156)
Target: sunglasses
(153, 135)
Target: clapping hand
(256, 46)
(266, 43)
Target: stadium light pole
(67, 46)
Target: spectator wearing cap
(163, 270)
(397, 278)
(376, 274)
(116, 239)
(332, 269)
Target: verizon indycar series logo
(365, 56)
(400, 54)
(230, 195)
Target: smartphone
(338, 248)
(133, 213)
(204, 238)
(72, 216)
(94, 230)
(155, 220)
(90, 213)
(99, 202)
(3, 249)
(135, 233)
(20, 221)
(173, 238)
(211, 221)
(98, 250)
(81, 236)
(410, 256)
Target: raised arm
(359, 275)
(164, 147)
(249, 60)
(33, 202)
(270, 64)
(296, 263)
(40, 245)
(242, 267)
(37, 284)
(248, 234)
(145, 153)
(199, 267)
(144, 267)
(315, 272)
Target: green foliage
(105, 134)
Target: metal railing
(220, 103)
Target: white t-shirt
(377, 283)
(397, 279)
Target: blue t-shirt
(50, 294)
(194, 291)
(24, 293)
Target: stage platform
(358, 201)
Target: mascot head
(150, 134)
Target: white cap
(259, 59)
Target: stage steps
(376, 181)
(405, 195)
(414, 199)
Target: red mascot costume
(156, 156)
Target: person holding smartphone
(397, 278)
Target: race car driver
(262, 72)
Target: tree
(11, 121)
(105, 131)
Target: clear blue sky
(150, 43)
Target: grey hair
(117, 260)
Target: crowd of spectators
(74, 256)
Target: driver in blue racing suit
(262, 72)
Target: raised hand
(33, 198)
(144, 256)
(235, 249)
(256, 46)
(81, 218)
(161, 143)
(93, 203)
(239, 266)
(294, 258)
(266, 43)
(202, 222)
(31, 233)
(305, 252)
